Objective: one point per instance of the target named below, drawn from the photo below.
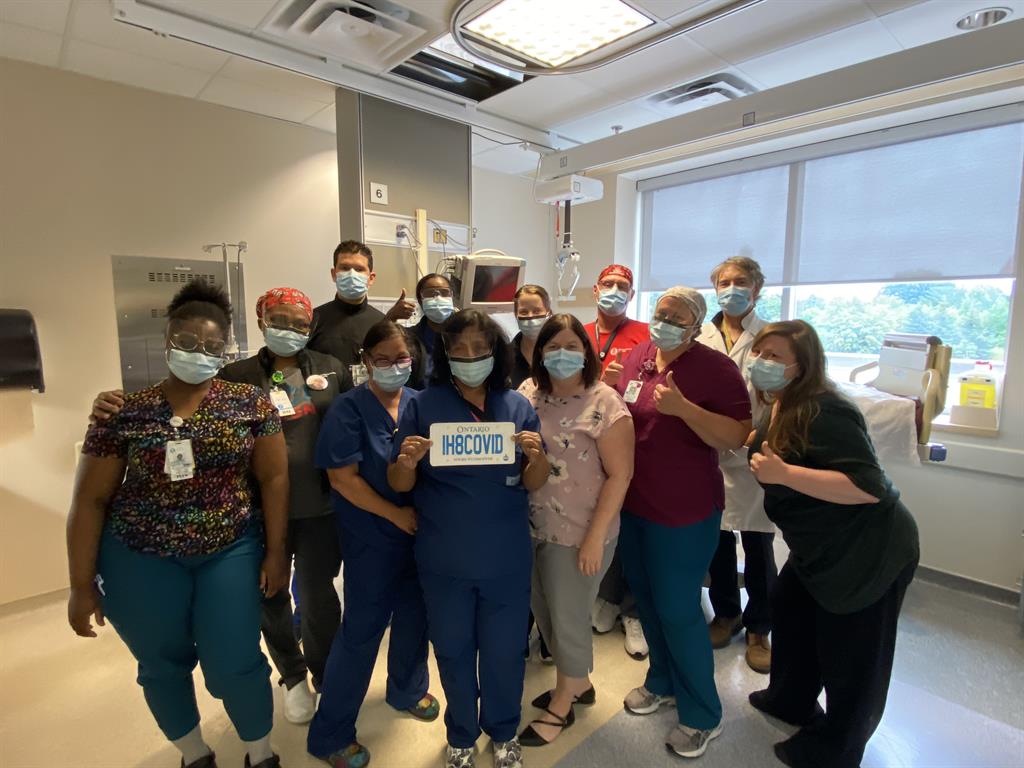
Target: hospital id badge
(280, 400)
(632, 393)
(178, 461)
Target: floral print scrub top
(562, 509)
(206, 513)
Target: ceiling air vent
(690, 97)
(375, 34)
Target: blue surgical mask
(734, 300)
(439, 308)
(472, 373)
(284, 343)
(667, 336)
(564, 363)
(530, 326)
(612, 301)
(193, 367)
(767, 375)
(392, 378)
(351, 285)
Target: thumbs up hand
(403, 308)
(768, 467)
(669, 400)
(613, 372)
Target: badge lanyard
(608, 344)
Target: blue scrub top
(427, 338)
(472, 522)
(358, 430)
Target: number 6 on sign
(472, 444)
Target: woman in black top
(533, 308)
(853, 551)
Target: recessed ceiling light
(556, 32)
(983, 18)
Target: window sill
(943, 424)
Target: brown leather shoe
(759, 653)
(722, 631)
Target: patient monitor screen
(494, 283)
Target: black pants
(759, 575)
(615, 590)
(850, 655)
(314, 543)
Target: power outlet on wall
(440, 235)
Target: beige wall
(89, 169)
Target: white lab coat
(744, 498)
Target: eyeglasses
(385, 362)
(436, 293)
(187, 341)
(283, 324)
(661, 318)
(621, 285)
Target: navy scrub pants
(665, 567)
(381, 586)
(477, 625)
(174, 611)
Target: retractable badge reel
(279, 398)
(179, 463)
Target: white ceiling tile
(512, 159)
(598, 125)
(93, 22)
(47, 15)
(246, 14)
(667, 64)
(545, 101)
(666, 9)
(928, 22)
(269, 76)
(262, 101)
(28, 44)
(130, 69)
(882, 7)
(324, 120)
(776, 24)
(852, 45)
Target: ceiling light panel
(556, 32)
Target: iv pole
(232, 350)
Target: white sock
(259, 750)
(192, 746)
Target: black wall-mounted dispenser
(21, 366)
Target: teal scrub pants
(665, 568)
(172, 612)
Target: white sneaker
(603, 616)
(636, 643)
(299, 703)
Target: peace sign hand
(767, 467)
(668, 399)
(413, 449)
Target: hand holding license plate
(474, 443)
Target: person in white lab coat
(738, 282)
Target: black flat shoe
(530, 738)
(760, 701)
(586, 698)
(271, 762)
(207, 761)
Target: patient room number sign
(472, 444)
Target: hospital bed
(905, 397)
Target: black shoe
(586, 698)
(761, 701)
(530, 738)
(207, 761)
(271, 762)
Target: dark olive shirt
(846, 555)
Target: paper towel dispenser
(21, 366)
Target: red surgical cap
(276, 296)
(618, 270)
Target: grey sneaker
(687, 742)
(458, 757)
(640, 701)
(508, 754)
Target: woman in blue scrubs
(473, 547)
(434, 294)
(376, 529)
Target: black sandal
(586, 698)
(530, 737)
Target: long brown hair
(789, 431)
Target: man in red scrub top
(613, 334)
